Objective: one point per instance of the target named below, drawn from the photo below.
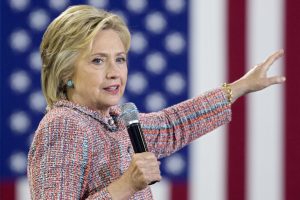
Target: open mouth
(112, 89)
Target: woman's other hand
(143, 169)
(256, 79)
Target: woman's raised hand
(256, 79)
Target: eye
(121, 60)
(97, 61)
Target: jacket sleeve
(171, 129)
(59, 162)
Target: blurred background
(180, 49)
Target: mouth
(112, 89)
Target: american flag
(180, 48)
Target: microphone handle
(137, 140)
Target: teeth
(112, 88)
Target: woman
(81, 149)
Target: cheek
(90, 83)
(125, 73)
(125, 78)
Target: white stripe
(265, 109)
(161, 190)
(207, 71)
(22, 189)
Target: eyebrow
(106, 54)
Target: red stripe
(237, 129)
(292, 112)
(179, 190)
(7, 190)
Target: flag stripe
(7, 189)
(264, 119)
(208, 69)
(179, 191)
(22, 189)
(236, 138)
(292, 119)
(162, 190)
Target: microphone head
(129, 113)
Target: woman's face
(100, 78)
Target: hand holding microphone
(144, 165)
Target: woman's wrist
(235, 90)
(227, 89)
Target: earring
(70, 84)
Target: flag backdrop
(180, 48)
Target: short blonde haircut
(67, 38)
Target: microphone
(130, 117)
(129, 114)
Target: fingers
(145, 155)
(143, 170)
(272, 58)
(148, 165)
(256, 79)
(276, 80)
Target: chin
(114, 102)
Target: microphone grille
(129, 113)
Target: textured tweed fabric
(76, 153)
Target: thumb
(276, 80)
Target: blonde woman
(81, 149)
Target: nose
(113, 71)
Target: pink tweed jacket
(76, 153)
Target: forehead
(107, 40)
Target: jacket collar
(114, 113)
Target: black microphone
(130, 117)
(129, 114)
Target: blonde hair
(69, 36)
